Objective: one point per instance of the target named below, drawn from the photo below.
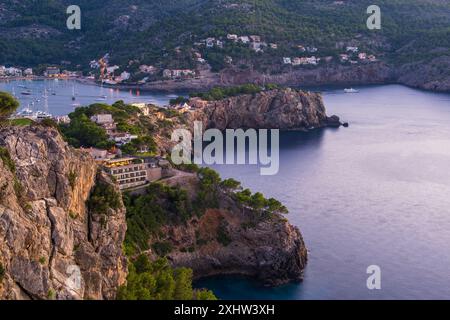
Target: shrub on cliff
(146, 214)
(103, 197)
(208, 193)
(158, 281)
(7, 161)
(219, 93)
(8, 105)
(2, 272)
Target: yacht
(25, 112)
(42, 115)
(350, 90)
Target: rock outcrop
(426, 74)
(235, 240)
(52, 247)
(284, 109)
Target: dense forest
(34, 32)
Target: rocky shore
(425, 75)
(284, 109)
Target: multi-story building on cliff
(132, 172)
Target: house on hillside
(287, 60)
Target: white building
(147, 69)
(102, 119)
(125, 75)
(244, 39)
(13, 72)
(28, 72)
(123, 138)
(210, 42)
(112, 69)
(232, 37)
(352, 49)
(287, 60)
(255, 38)
(344, 57)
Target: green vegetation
(42, 260)
(178, 100)
(103, 197)
(222, 93)
(2, 272)
(18, 188)
(208, 193)
(72, 177)
(164, 205)
(48, 123)
(222, 234)
(8, 105)
(82, 132)
(158, 281)
(51, 294)
(21, 122)
(146, 214)
(73, 215)
(141, 146)
(160, 27)
(265, 208)
(162, 248)
(6, 159)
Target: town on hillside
(204, 55)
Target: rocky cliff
(234, 239)
(429, 75)
(284, 109)
(53, 247)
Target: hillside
(34, 32)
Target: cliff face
(428, 75)
(284, 109)
(53, 247)
(235, 240)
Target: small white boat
(350, 90)
(42, 115)
(26, 93)
(26, 112)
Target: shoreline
(191, 85)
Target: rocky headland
(57, 226)
(284, 109)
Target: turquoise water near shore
(374, 193)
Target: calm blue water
(61, 103)
(377, 193)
